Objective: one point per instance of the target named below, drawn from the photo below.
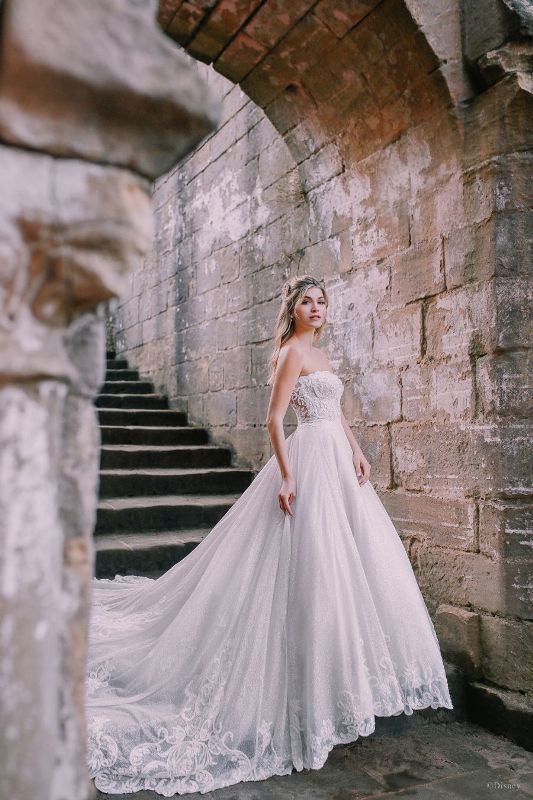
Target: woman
(287, 630)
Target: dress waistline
(319, 421)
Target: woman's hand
(287, 494)
(362, 467)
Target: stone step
(122, 434)
(134, 417)
(110, 354)
(122, 375)
(150, 553)
(134, 483)
(134, 457)
(140, 401)
(117, 363)
(168, 512)
(127, 387)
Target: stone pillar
(495, 648)
(95, 103)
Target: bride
(287, 630)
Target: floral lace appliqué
(317, 397)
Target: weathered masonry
(76, 161)
(387, 148)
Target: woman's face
(310, 310)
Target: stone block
(199, 340)
(68, 238)
(487, 24)
(288, 107)
(190, 312)
(442, 391)
(397, 335)
(514, 299)
(272, 22)
(250, 447)
(474, 459)
(361, 293)
(186, 19)
(470, 580)
(252, 405)
(240, 57)
(227, 332)
(214, 303)
(498, 121)
(442, 522)
(353, 338)
(166, 10)
(328, 258)
(274, 161)
(505, 528)
(374, 441)
(95, 107)
(340, 17)
(216, 373)
(237, 364)
(260, 369)
(320, 82)
(195, 408)
(462, 322)
(376, 396)
(221, 408)
(220, 28)
(129, 339)
(207, 275)
(417, 272)
(305, 138)
(193, 377)
(266, 80)
(32, 594)
(150, 330)
(503, 384)
(439, 206)
(507, 652)
(458, 631)
(380, 235)
(256, 324)
(220, 142)
(320, 167)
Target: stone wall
(76, 159)
(386, 149)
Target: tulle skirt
(276, 638)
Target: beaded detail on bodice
(317, 397)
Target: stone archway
(442, 326)
(376, 163)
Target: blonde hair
(291, 293)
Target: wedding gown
(276, 638)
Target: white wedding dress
(276, 638)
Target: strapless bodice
(317, 396)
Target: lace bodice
(317, 396)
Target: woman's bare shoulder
(291, 347)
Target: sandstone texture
(94, 103)
(387, 148)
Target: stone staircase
(163, 485)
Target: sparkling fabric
(273, 640)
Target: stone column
(95, 103)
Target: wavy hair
(292, 291)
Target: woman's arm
(362, 467)
(288, 369)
